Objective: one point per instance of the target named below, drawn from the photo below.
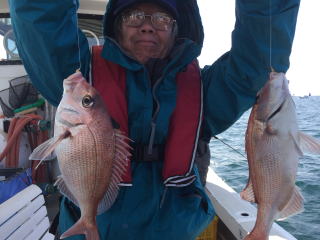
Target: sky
(218, 20)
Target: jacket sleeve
(262, 38)
(48, 42)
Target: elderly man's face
(146, 41)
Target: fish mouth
(70, 82)
(66, 122)
(69, 124)
(272, 98)
(68, 109)
(76, 77)
(274, 113)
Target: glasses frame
(127, 15)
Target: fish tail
(82, 227)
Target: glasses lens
(134, 19)
(161, 21)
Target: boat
(235, 217)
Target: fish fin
(297, 144)
(247, 193)
(45, 151)
(82, 227)
(309, 144)
(120, 163)
(63, 188)
(294, 205)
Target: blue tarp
(15, 184)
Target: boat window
(8, 49)
(90, 24)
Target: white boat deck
(237, 214)
(24, 216)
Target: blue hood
(190, 24)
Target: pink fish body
(274, 145)
(91, 154)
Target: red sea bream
(92, 155)
(274, 145)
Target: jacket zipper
(154, 116)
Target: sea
(227, 161)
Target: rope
(12, 148)
(11, 151)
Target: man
(148, 76)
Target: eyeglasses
(160, 21)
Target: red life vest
(180, 149)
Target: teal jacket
(47, 40)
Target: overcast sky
(218, 20)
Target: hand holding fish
(92, 155)
(274, 145)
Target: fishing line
(230, 147)
(270, 36)
(77, 29)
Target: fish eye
(87, 101)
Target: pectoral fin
(309, 144)
(297, 145)
(45, 151)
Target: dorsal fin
(118, 168)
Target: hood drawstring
(163, 197)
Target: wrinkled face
(144, 41)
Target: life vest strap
(140, 153)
